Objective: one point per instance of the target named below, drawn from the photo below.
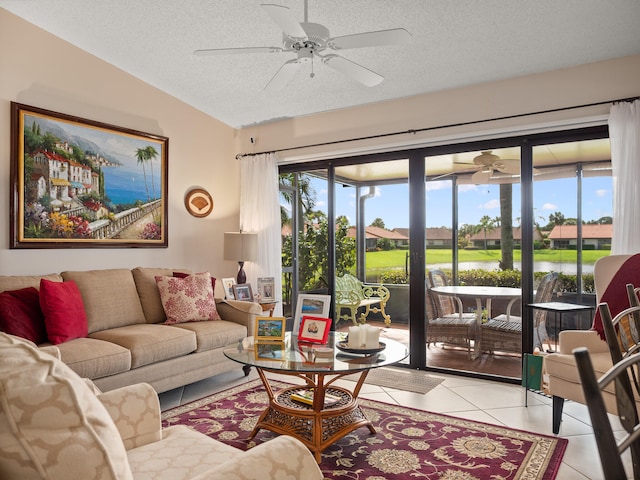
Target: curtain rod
(438, 127)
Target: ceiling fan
(487, 164)
(311, 40)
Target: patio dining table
(483, 297)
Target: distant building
(436, 236)
(373, 234)
(493, 237)
(566, 236)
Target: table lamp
(240, 247)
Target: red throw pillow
(20, 314)
(63, 310)
(185, 275)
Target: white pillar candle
(363, 334)
(372, 337)
(354, 337)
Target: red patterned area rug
(409, 443)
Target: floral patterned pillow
(188, 299)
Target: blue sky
(391, 203)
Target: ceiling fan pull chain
(312, 74)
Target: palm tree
(150, 154)
(141, 155)
(486, 223)
(506, 226)
(306, 194)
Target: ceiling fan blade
(227, 51)
(511, 166)
(284, 75)
(352, 70)
(481, 176)
(285, 19)
(396, 36)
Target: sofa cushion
(150, 343)
(11, 282)
(92, 358)
(145, 279)
(51, 424)
(63, 310)
(210, 335)
(110, 298)
(188, 299)
(20, 314)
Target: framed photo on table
(310, 304)
(269, 329)
(314, 329)
(228, 284)
(243, 292)
(266, 289)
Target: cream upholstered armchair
(560, 368)
(55, 425)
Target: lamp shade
(240, 246)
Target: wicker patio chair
(445, 325)
(504, 333)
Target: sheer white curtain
(624, 134)
(260, 213)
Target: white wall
(584, 84)
(41, 70)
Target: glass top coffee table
(330, 412)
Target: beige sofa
(560, 367)
(55, 426)
(128, 343)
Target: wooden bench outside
(352, 294)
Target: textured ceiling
(454, 43)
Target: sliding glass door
(498, 213)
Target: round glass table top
(293, 356)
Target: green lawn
(396, 258)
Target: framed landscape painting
(78, 183)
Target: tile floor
(479, 400)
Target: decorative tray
(344, 346)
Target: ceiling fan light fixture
(307, 39)
(486, 158)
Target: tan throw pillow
(51, 424)
(188, 299)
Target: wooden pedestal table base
(316, 426)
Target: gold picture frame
(78, 183)
(269, 329)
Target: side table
(268, 307)
(559, 309)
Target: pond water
(567, 268)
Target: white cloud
(601, 193)
(438, 185)
(321, 204)
(491, 205)
(550, 206)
